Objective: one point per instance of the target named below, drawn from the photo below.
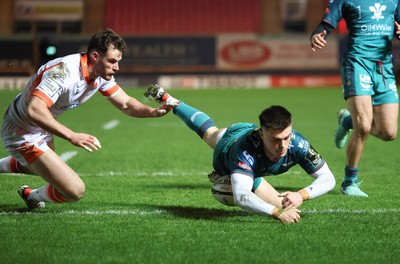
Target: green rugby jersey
(370, 24)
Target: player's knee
(388, 136)
(79, 191)
(75, 192)
(363, 131)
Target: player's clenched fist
(288, 215)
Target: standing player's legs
(385, 103)
(385, 121)
(358, 83)
(361, 112)
(373, 108)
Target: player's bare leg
(385, 121)
(55, 171)
(64, 184)
(361, 110)
(16, 167)
(213, 135)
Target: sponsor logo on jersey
(64, 107)
(393, 87)
(300, 144)
(285, 165)
(377, 9)
(314, 157)
(377, 29)
(244, 166)
(49, 86)
(365, 82)
(248, 157)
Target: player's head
(276, 117)
(104, 51)
(104, 41)
(276, 130)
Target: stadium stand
(183, 16)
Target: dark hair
(276, 117)
(102, 41)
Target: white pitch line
(156, 173)
(158, 212)
(89, 212)
(111, 124)
(142, 173)
(355, 211)
(68, 155)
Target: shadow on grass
(282, 189)
(18, 210)
(198, 212)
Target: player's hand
(85, 141)
(318, 41)
(397, 29)
(291, 199)
(288, 215)
(163, 110)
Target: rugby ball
(222, 190)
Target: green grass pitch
(148, 198)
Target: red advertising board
(255, 52)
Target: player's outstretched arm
(132, 107)
(323, 183)
(38, 112)
(250, 202)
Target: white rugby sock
(46, 193)
(5, 164)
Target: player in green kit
(369, 85)
(245, 153)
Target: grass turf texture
(148, 198)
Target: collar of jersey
(85, 68)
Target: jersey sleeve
(48, 85)
(246, 199)
(311, 160)
(397, 12)
(242, 163)
(109, 88)
(306, 156)
(333, 13)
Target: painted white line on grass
(115, 212)
(156, 173)
(355, 211)
(89, 212)
(111, 124)
(142, 173)
(158, 212)
(68, 155)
